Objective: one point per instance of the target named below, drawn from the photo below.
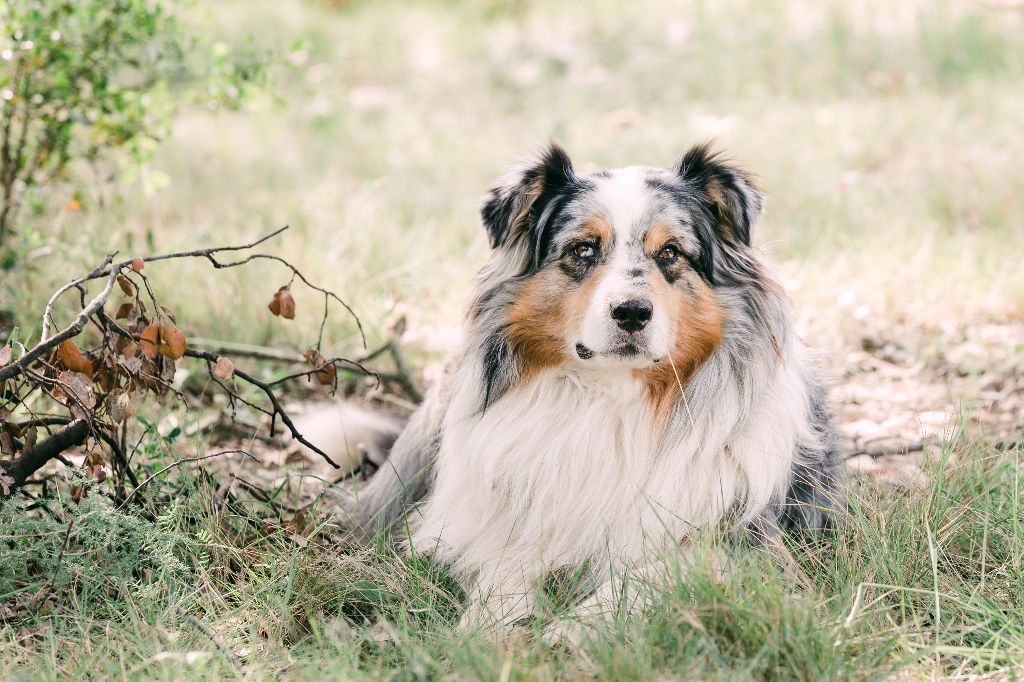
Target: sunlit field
(889, 140)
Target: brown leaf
(5, 355)
(6, 445)
(172, 342)
(123, 311)
(282, 304)
(72, 358)
(223, 369)
(132, 365)
(325, 376)
(162, 339)
(30, 437)
(120, 407)
(80, 387)
(138, 264)
(149, 340)
(13, 428)
(6, 484)
(126, 285)
(95, 467)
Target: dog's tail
(348, 433)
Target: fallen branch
(21, 468)
(100, 386)
(891, 449)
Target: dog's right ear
(515, 202)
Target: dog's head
(619, 268)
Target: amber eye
(584, 251)
(668, 254)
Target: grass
(888, 141)
(919, 581)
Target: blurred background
(887, 136)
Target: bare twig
(76, 327)
(277, 409)
(179, 462)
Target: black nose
(633, 315)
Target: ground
(887, 139)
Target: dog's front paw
(566, 633)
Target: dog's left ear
(511, 208)
(734, 200)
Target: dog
(630, 378)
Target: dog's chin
(625, 354)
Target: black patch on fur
(703, 261)
(500, 367)
(814, 494)
(706, 170)
(533, 205)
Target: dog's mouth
(625, 350)
(584, 352)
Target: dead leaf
(6, 483)
(282, 304)
(95, 467)
(126, 285)
(72, 358)
(138, 264)
(132, 365)
(123, 311)
(162, 339)
(173, 344)
(5, 356)
(223, 369)
(120, 407)
(325, 376)
(6, 445)
(80, 387)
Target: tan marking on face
(657, 236)
(698, 320)
(598, 228)
(545, 314)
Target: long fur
(527, 459)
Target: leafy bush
(80, 78)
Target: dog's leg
(498, 599)
(815, 493)
(404, 477)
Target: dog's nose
(633, 315)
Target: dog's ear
(515, 202)
(734, 200)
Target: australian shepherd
(629, 378)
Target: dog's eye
(584, 251)
(668, 254)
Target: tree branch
(20, 469)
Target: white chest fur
(570, 467)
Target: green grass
(888, 142)
(923, 580)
